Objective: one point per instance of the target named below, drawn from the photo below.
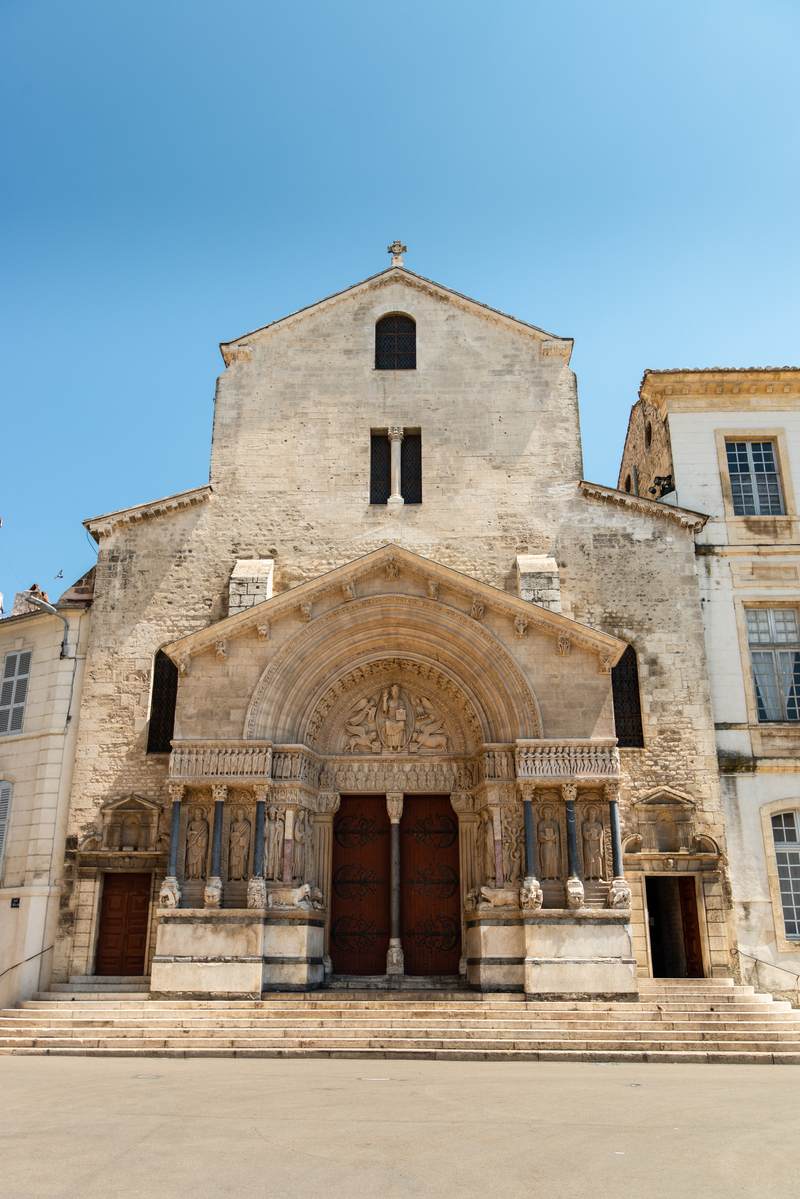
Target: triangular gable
(393, 559)
(563, 345)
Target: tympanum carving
(394, 720)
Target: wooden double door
(122, 936)
(361, 882)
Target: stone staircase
(681, 1020)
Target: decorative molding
(104, 526)
(384, 775)
(684, 517)
(206, 761)
(553, 760)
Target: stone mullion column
(619, 895)
(574, 887)
(497, 831)
(212, 895)
(327, 805)
(395, 447)
(394, 957)
(462, 805)
(170, 894)
(256, 885)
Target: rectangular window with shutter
(14, 691)
(380, 471)
(5, 813)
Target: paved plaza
(80, 1129)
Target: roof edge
(685, 517)
(101, 526)
(228, 349)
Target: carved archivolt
(435, 643)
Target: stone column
(170, 894)
(212, 895)
(327, 807)
(394, 956)
(462, 805)
(530, 895)
(619, 895)
(257, 886)
(497, 829)
(574, 888)
(395, 444)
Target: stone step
(542, 1055)
(755, 1005)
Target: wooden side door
(360, 886)
(691, 928)
(430, 896)
(122, 937)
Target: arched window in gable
(627, 701)
(786, 837)
(163, 695)
(395, 343)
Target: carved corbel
(433, 589)
(564, 644)
(349, 591)
(306, 611)
(221, 650)
(477, 610)
(184, 665)
(263, 631)
(606, 664)
(520, 625)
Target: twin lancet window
(395, 469)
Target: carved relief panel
(394, 720)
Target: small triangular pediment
(398, 571)
(131, 803)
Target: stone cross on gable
(397, 250)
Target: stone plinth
(553, 953)
(236, 952)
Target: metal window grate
(14, 691)
(627, 701)
(755, 484)
(380, 468)
(774, 637)
(411, 468)
(162, 705)
(787, 855)
(395, 343)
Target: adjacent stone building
(397, 692)
(728, 442)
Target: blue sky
(177, 173)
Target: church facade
(398, 693)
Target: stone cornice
(103, 526)
(552, 346)
(684, 517)
(392, 560)
(659, 387)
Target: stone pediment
(552, 346)
(398, 572)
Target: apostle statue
(239, 846)
(486, 856)
(549, 836)
(592, 844)
(274, 842)
(196, 845)
(301, 832)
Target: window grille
(627, 701)
(787, 854)
(755, 483)
(380, 468)
(774, 637)
(395, 343)
(411, 468)
(14, 691)
(162, 705)
(5, 814)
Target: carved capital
(606, 665)
(175, 791)
(531, 896)
(394, 806)
(395, 432)
(569, 792)
(574, 889)
(328, 802)
(611, 791)
(256, 893)
(461, 803)
(170, 894)
(619, 895)
(261, 792)
(219, 792)
(526, 792)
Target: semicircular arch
(452, 650)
